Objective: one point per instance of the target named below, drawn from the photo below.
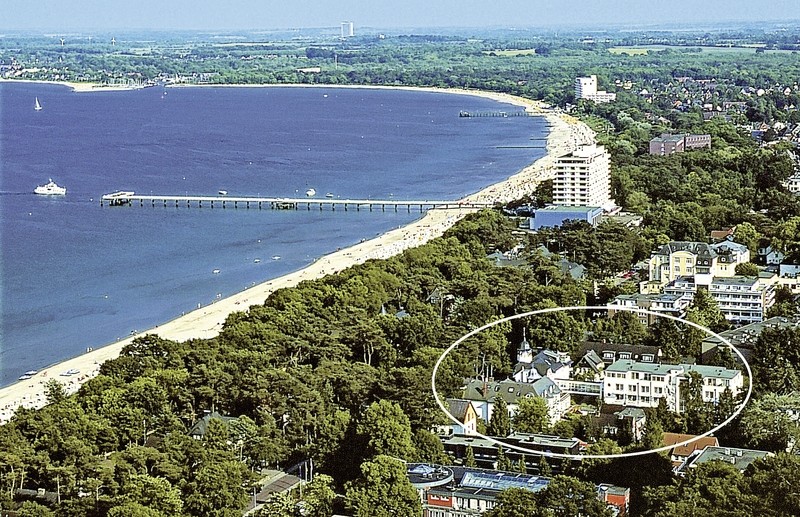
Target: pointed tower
(524, 352)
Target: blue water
(77, 275)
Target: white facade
(586, 88)
(741, 299)
(793, 184)
(482, 396)
(630, 383)
(582, 178)
(670, 304)
(347, 30)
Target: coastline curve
(474, 332)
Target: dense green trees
(717, 488)
(531, 416)
(564, 496)
(383, 490)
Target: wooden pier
(124, 198)
(503, 114)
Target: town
(672, 198)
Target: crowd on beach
(565, 135)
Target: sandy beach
(205, 322)
(78, 87)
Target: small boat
(276, 257)
(223, 192)
(216, 271)
(329, 194)
(24, 377)
(256, 261)
(31, 372)
(311, 192)
(51, 189)
(36, 105)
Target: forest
(337, 370)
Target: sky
(67, 15)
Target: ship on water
(50, 189)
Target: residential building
(615, 496)
(482, 396)
(744, 338)
(741, 299)
(454, 491)
(698, 259)
(582, 178)
(790, 265)
(634, 419)
(546, 363)
(668, 144)
(767, 255)
(669, 304)
(724, 234)
(589, 367)
(739, 458)
(630, 383)
(200, 426)
(586, 88)
(612, 352)
(679, 454)
(465, 413)
(792, 183)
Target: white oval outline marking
(593, 456)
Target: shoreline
(564, 134)
(77, 86)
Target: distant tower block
(347, 30)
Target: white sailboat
(36, 105)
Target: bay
(75, 275)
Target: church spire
(524, 352)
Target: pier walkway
(503, 114)
(123, 198)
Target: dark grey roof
(592, 360)
(200, 427)
(697, 248)
(458, 408)
(636, 351)
(509, 390)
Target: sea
(77, 275)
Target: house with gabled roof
(680, 453)
(739, 458)
(483, 394)
(464, 412)
(200, 426)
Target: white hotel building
(631, 383)
(586, 88)
(582, 178)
